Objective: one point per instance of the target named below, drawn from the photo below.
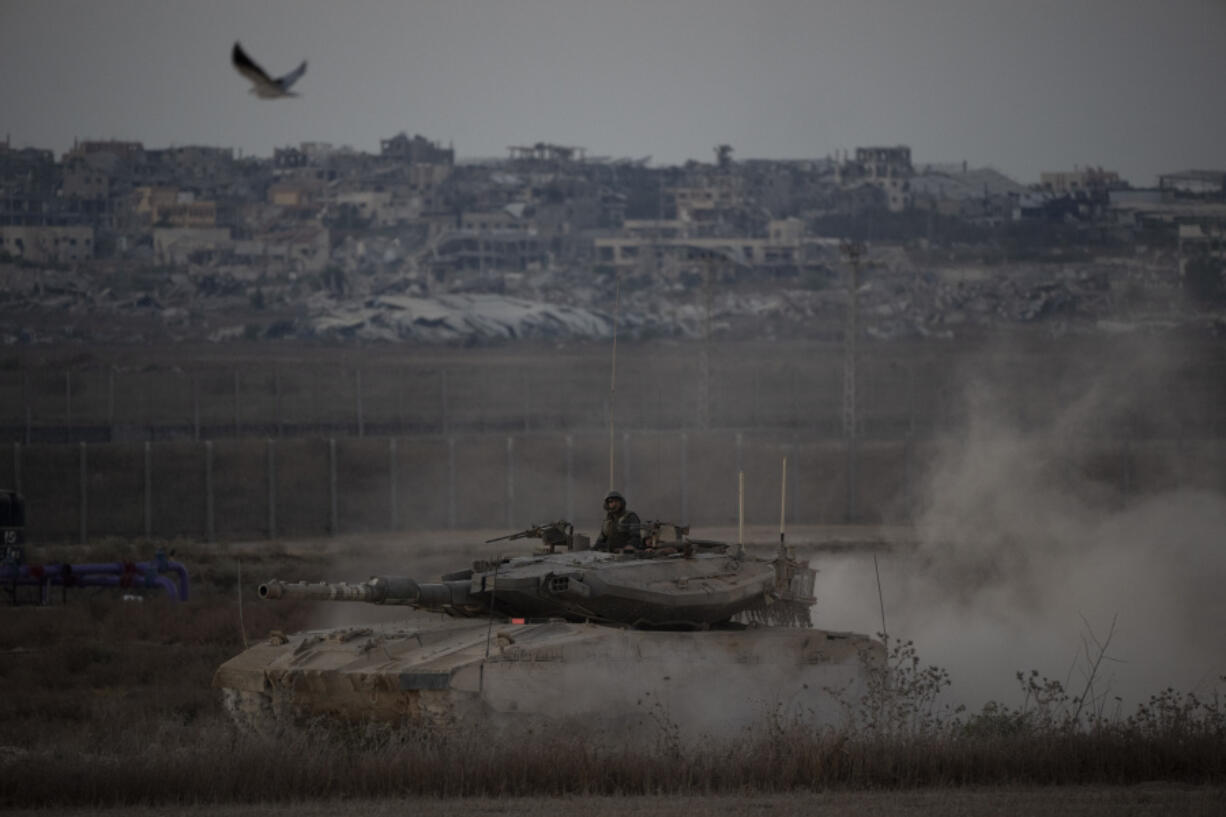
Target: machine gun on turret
(553, 536)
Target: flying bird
(262, 85)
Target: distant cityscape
(551, 223)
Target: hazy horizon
(1023, 88)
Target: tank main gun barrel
(323, 591)
(452, 596)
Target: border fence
(249, 488)
(241, 444)
(899, 395)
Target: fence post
(685, 478)
(510, 482)
(148, 404)
(392, 490)
(276, 387)
(196, 407)
(446, 419)
(84, 496)
(794, 412)
(794, 456)
(319, 423)
(570, 496)
(451, 520)
(110, 397)
(740, 452)
(1128, 468)
(237, 422)
(788, 512)
(148, 490)
(401, 376)
(486, 399)
(332, 506)
(208, 491)
(851, 478)
(527, 399)
(357, 391)
(1181, 460)
(909, 470)
(911, 398)
(756, 410)
(272, 489)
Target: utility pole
(852, 250)
(617, 301)
(704, 408)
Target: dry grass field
(1146, 800)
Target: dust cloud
(1056, 509)
(1025, 558)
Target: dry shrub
(125, 758)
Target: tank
(694, 633)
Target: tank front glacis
(467, 673)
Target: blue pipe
(94, 573)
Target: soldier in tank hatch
(620, 529)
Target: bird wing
(289, 79)
(247, 67)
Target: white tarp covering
(459, 317)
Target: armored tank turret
(717, 636)
(673, 582)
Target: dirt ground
(1088, 801)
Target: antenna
(783, 506)
(740, 513)
(853, 250)
(489, 631)
(704, 403)
(885, 634)
(242, 627)
(617, 301)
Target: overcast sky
(1023, 86)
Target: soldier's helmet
(612, 495)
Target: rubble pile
(461, 318)
(897, 300)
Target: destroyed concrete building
(47, 243)
(978, 195)
(329, 227)
(29, 181)
(415, 150)
(669, 248)
(886, 168)
(1204, 184)
(543, 152)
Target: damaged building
(886, 168)
(315, 234)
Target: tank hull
(605, 679)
